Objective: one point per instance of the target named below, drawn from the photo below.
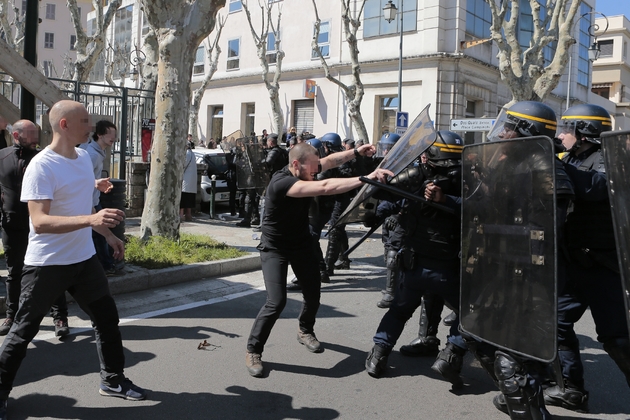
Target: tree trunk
(172, 96)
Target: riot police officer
(507, 283)
(429, 257)
(592, 269)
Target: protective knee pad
(619, 351)
(523, 396)
(391, 259)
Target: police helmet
(332, 141)
(318, 145)
(386, 143)
(587, 119)
(524, 119)
(446, 150)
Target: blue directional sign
(402, 119)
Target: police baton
(406, 194)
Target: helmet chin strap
(578, 143)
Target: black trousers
(86, 281)
(275, 265)
(15, 242)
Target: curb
(144, 279)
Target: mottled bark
(272, 83)
(148, 68)
(213, 52)
(12, 31)
(180, 28)
(353, 92)
(524, 70)
(89, 47)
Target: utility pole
(31, 24)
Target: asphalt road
(162, 329)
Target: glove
(391, 222)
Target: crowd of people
(57, 239)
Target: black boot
(619, 350)
(323, 275)
(376, 362)
(572, 398)
(450, 319)
(422, 347)
(449, 364)
(332, 251)
(391, 259)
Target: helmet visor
(383, 148)
(504, 128)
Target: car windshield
(217, 164)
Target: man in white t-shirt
(58, 186)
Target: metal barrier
(125, 106)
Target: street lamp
(593, 51)
(136, 59)
(389, 13)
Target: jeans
(103, 251)
(15, 242)
(85, 281)
(275, 264)
(442, 281)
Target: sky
(613, 7)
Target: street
(163, 328)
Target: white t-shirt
(69, 184)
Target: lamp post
(389, 13)
(593, 51)
(136, 59)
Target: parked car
(217, 165)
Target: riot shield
(508, 275)
(251, 170)
(417, 139)
(616, 148)
(228, 144)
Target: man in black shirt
(286, 240)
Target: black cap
(346, 141)
(273, 136)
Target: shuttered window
(303, 112)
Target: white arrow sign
(472, 124)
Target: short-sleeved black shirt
(285, 224)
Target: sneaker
(113, 272)
(61, 328)
(310, 341)
(254, 364)
(343, 265)
(126, 390)
(6, 326)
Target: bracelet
(356, 153)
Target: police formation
(517, 242)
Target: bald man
(60, 255)
(13, 161)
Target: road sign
(402, 120)
(472, 124)
(401, 131)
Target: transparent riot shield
(616, 147)
(417, 139)
(228, 144)
(508, 277)
(251, 170)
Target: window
(235, 6)
(303, 115)
(374, 24)
(49, 40)
(388, 105)
(122, 39)
(200, 60)
(234, 51)
(606, 48)
(478, 18)
(47, 66)
(584, 42)
(73, 40)
(323, 40)
(216, 131)
(271, 48)
(471, 112)
(50, 11)
(250, 113)
(603, 91)
(625, 49)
